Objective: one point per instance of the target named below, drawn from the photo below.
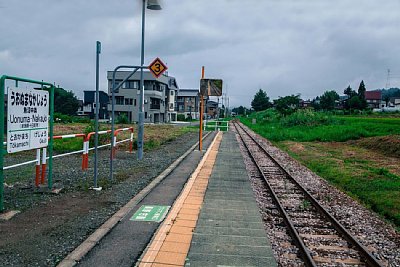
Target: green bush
(307, 118)
(103, 138)
(122, 119)
(79, 119)
(62, 118)
(180, 117)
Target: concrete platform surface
(229, 231)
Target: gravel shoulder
(51, 226)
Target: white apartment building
(159, 97)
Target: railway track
(319, 238)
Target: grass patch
(363, 179)
(307, 126)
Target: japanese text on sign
(151, 213)
(27, 119)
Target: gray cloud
(285, 47)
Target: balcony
(153, 93)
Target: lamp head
(153, 5)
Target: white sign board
(27, 119)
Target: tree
(386, 98)
(65, 102)
(349, 92)
(361, 95)
(240, 110)
(316, 103)
(260, 101)
(355, 102)
(287, 105)
(328, 99)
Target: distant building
(188, 103)
(305, 103)
(394, 102)
(341, 103)
(159, 97)
(212, 109)
(374, 99)
(87, 106)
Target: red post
(44, 158)
(37, 177)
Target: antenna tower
(388, 79)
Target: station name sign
(27, 119)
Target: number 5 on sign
(157, 67)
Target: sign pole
(96, 136)
(2, 87)
(201, 115)
(50, 177)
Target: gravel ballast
(378, 236)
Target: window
(119, 100)
(131, 101)
(172, 93)
(126, 101)
(134, 102)
(131, 85)
(154, 103)
(145, 115)
(117, 82)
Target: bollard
(44, 158)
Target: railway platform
(203, 213)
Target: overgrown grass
(357, 173)
(310, 126)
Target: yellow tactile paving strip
(171, 243)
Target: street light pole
(141, 99)
(153, 5)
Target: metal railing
(215, 125)
(41, 160)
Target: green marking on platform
(150, 213)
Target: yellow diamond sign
(157, 67)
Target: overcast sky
(284, 47)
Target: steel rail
(368, 257)
(304, 251)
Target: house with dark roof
(87, 106)
(374, 99)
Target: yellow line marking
(183, 216)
